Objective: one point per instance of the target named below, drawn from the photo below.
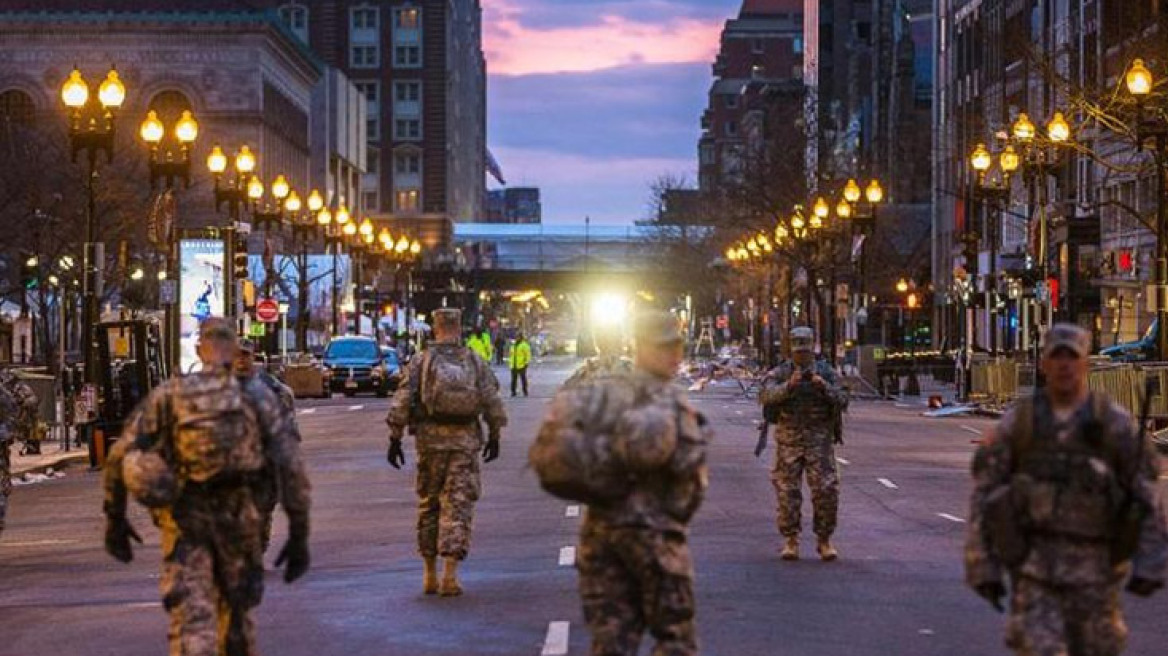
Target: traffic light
(913, 301)
(30, 272)
(239, 262)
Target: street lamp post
(1139, 82)
(863, 217)
(92, 128)
(235, 195)
(304, 230)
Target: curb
(59, 463)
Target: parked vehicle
(393, 365)
(356, 364)
(1142, 349)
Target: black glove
(118, 534)
(396, 456)
(1142, 587)
(491, 450)
(993, 592)
(295, 553)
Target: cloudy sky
(591, 100)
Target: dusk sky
(591, 100)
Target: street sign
(267, 311)
(257, 330)
(168, 292)
(722, 322)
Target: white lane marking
(38, 543)
(953, 518)
(567, 556)
(308, 411)
(354, 408)
(971, 429)
(556, 642)
(143, 604)
(888, 484)
(572, 511)
(842, 461)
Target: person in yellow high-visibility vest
(520, 358)
(480, 342)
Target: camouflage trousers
(448, 486)
(5, 482)
(211, 585)
(633, 579)
(810, 452)
(1050, 620)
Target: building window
(731, 128)
(371, 91)
(407, 57)
(407, 164)
(407, 129)
(364, 18)
(372, 128)
(731, 100)
(797, 45)
(408, 18)
(296, 18)
(16, 108)
(371, 201)
(372, 161)
(407, 200)
(757, 46)
(407, 91)
(364, 56)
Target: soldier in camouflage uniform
(18, 406)
(609, 360)
(193, 452)
(804, 396)
(1066, 463)
(27, 410)
(246, 369)
(448, 479)
(635, 567)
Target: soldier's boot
(827, 552)
(430, 575)
(790, 550)
(450, 586)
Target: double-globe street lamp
(234, 194)
(92, 128)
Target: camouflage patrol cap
(656, 328)
(1068, 336)
(802, 339)
(149, 479)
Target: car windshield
(352, 349)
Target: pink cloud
(515, 49)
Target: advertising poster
(201, 293)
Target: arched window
(16, 107)
(170, 105)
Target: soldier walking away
(194, 452)
(520, 359)
(633, 449)
(802, 396)
(1064, 509)
(246, 370)
(609, 360)
(445, 396)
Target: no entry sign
(268, 311)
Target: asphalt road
(896, 591)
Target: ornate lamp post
(235, 195)
(92, 129)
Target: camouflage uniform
(805, 441)
(9, 428)
(27, 409)
(636, 571)
(1065, 595)
(212, 574)
(448, 483)
(266, 493)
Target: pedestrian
(609, 359)
(444, 397)
(246, 370)
(635, 568)
(520, 359)
(802, 396)
(13, 411)
(1065, 508)
(500, 346)
(192, 452)
(480, 342)
(27, 411)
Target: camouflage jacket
(431, 435)
(20, 420)
(662, 442)
(283, 393)
(605, 365)
(152, 423)
(1057, 555)
(800, 405)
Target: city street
(896, 592)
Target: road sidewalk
(52, 456)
